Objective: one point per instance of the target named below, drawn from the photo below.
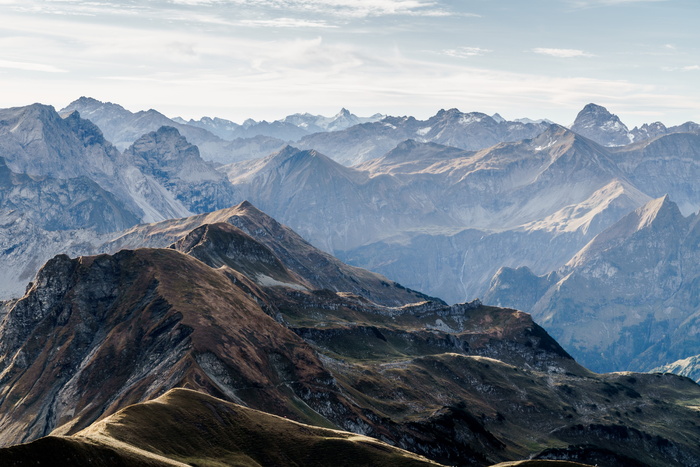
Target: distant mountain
(290, 128)
(460, 214)
(667, 165)
(257, 147)
(628, 300)
(470, 131)
(62, 186)
(596, 123)
(219, 312)
(122, 127)
(318, 123)
(168, 157)
(689, 367)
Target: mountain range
(596, 123)
(628, 299)
(235, 314)
(437, 218)
(593, 236)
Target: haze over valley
(589, 228)
(350, 233)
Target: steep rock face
(169, 158)
(596, 123)
(62, 204)
(39, 143)
(667, 165)
(628, 300)
(94, 334)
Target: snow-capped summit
(596, 123)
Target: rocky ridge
(221, 313)
(464, 212)
(689, 367)
(367, 141)
(627, 300)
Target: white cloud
(345, 8)
(682, 68)
(26, 66)
(287, 23)
(593, 3)
(466, 52)
(561, 53)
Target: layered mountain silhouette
(597, 123)
(367, 141)
(449, 201)
(220, 312)
(122, 127)
(461, 214)
(628, 300)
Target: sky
(265, 59)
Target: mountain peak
(660, 216)
(657, 209)
(597, 123)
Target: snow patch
(268, 281)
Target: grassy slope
(191, 428)
(413, 377)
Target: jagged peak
(91, 102)
(164, 134)
(250, 209)
(84, 100)
(592, 107)
(659, 208)
(659, 213)
(36, 110)
(285, 152)
(168, 132)
(594, 115)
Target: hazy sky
(268, 58)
